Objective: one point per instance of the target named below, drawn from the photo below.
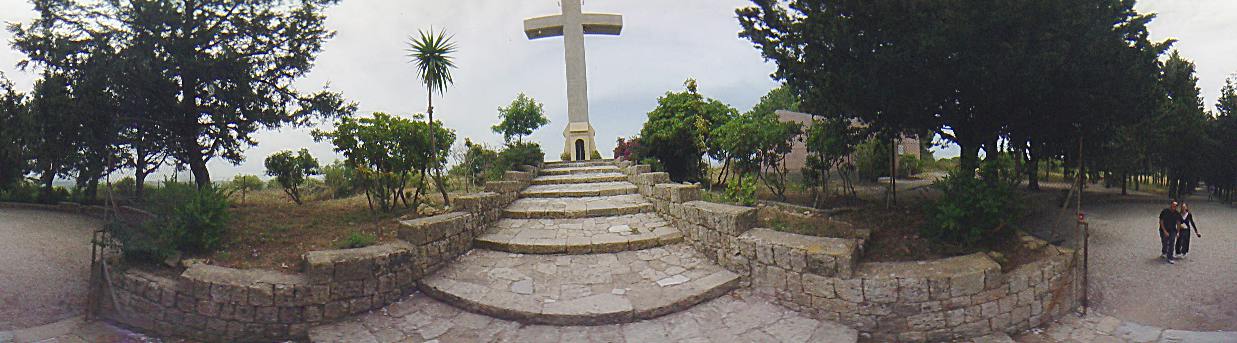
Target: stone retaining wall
(953, 298)
(218, 304)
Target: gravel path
(1129, 280)
(44, 266)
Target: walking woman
(1183, 235)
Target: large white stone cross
(573, 24)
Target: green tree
(677, 132)
(13, 135)
(1223, 156)
(431, 53)
(830, 144)
(520, 118)
(292, 170)
(1181, 126)
(223, 69)
(387, 152)
(971, 71)
(245, 184)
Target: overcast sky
(662, 44)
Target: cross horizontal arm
(594, 24)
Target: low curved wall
(218, 304)
(954, 298)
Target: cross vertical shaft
(573, 24)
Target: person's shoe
(1170, 261)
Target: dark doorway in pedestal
(579, 150)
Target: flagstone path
(582, 257)
(1100, 328)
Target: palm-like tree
(431, 53)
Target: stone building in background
(798, 153)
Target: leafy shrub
(596, 155)
(564, 157)
(245, 184)
(357, 240)
(626, 148)
(21, 191)
(519, 153)
(971, 211)
(741, 190)
(340, 180)
(476, 164)
(678, 131)
(387, 153)
(872, 159)
(909, 165)
(186, 219)
(125, 187)
(291, 171)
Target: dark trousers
(1166, 242)
(1183, 242)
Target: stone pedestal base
(579, 142)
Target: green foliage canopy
(292, 170)
(678, 131)
(520, 118)
(387, 151)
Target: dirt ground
(44, 266)
(1131, 282)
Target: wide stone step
(580, 289)
(580, 236)
(579, 190)
(581, 170)
(570, 164)
(579, 178)
(738, 316)
(582, 207)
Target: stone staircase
(580, 247)
(580, 255)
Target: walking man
(1169, 219)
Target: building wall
(798, 152)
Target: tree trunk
(1032, 168)
(49, 175)
(968, 159)
(1125, 180)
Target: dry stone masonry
(609, 244)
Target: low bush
(186, 219)
(518, 154)
(340, 180)
(358, 240)
(972, 211)
(741, 190)
(596, 155)
(564, 157)
(22, 191)
(909, 165)
(626, 148)
(872, 159)
(244, 184)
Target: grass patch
(358, 240)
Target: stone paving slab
(580, 236)
(739, 316)
(1097, 327)
(75, 329)
(582, 207)
(580, 289)
(581, 170)
(578, 178)
(579, 190)
(570, 164)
